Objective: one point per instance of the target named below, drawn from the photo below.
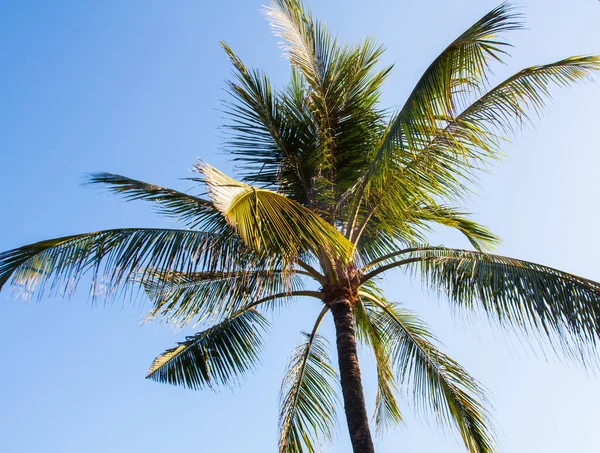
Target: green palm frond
(308, 399)
(479, 236)
(508, 103)
(381, 233)
(335, 91)
(374, 244)
(479, 129)
(455, 150)
(312, 52)
(216, 356)
(268, 221)
(194, 212)
(545, 302)
(113, 257)
(183, 297)
(451, 394)
(265, 138)
(355, 121)
(462, 65)
(391, 182)
(387, 411)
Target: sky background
(134, 88)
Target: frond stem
(393, 254)
(387, 267)
(315, 294)
(311, 271)
(355, 237)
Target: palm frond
(451, 394)
(268, 221)
(463, 64)
(182, 297)
(387, 229)
(194, 212)
(308, 399)
(454, 151)
(355, 122)
(479, 236)
(336, 88)
(508, 103)
(307, 43)
(390, 181)
(114, 257)
(265, 138)
(545, 302)
(387, 411)
(480, 128)
(216, 356)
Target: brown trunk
(352, 390)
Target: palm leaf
(478, 130)
(454, 151)
(264, 136)
(216, 356)
(389, 182)
(183, 297)
(461, 66)
(114, 257)
(507, 104)
(335, 92)
(308, 399)
(268, 221)
(307, 43)
(311, 51)
(478, 235)
(382, 231)
(453, 396)
(545, 302)
(387, 411)
(194, 212)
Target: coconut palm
(334, 191)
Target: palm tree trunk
(352, 389)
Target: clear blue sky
(133, 88)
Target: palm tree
(334, 192)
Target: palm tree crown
(335, 190)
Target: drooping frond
(183, 297)
(216, 356)
(527, 90)
(113, 257)
(194, 212)
(308, 399)
(438, 384)
(268, 221)
(540, 300)
(479, 236)
(368, 332)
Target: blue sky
(134, 88)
